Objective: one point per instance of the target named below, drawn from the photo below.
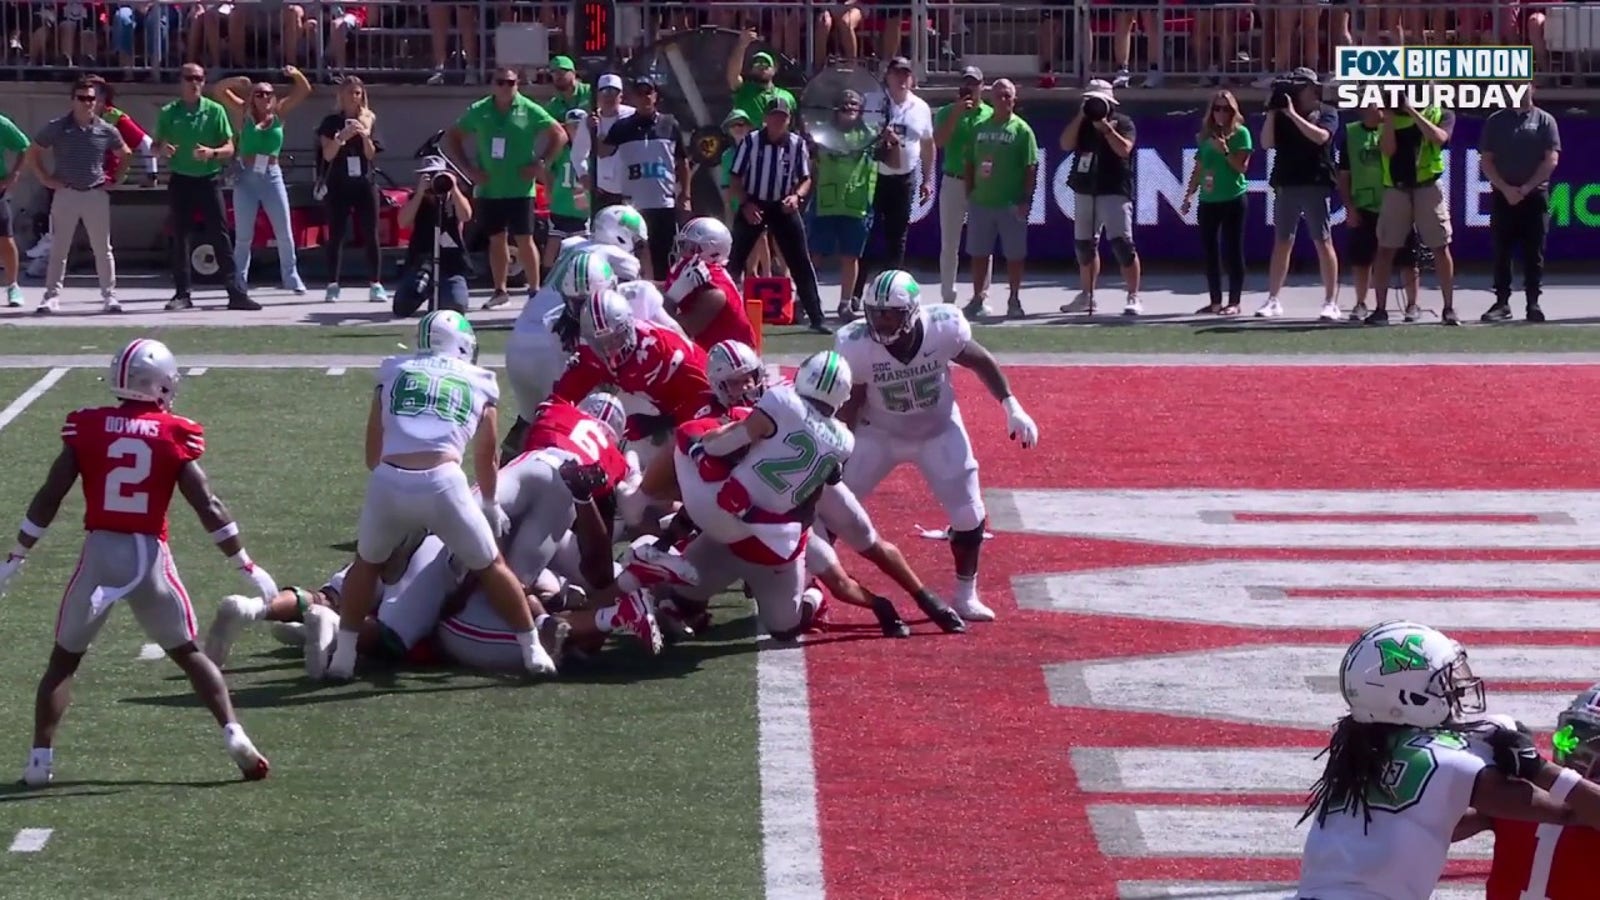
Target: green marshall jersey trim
(830, 373)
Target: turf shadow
(370, 684)
(344, 546)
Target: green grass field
(626, 779)
(1114, 336)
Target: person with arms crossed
(1002, 173)
(1413, 145)
(12, 141)
(649, 147)
(79, 142)
(515, 142)
(771, 178)
(1360, 177)
(131, 457)
(425, 410)
(907, 152)
(953, 127)
(1101, 139)
(903, 409)
(1218, 177)
(195, 136)
(1300, 127)
(1518, 151)
(1415, 707)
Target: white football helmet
(606, 325)
(145, 370)
(891, 302)
(1576, 742)
(737, 375)
(585, 275)
(446, 332)
(824, 378)
(1403, 673)
(706, 238)
(620, 226)
(605, 408)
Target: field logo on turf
(1418, 78)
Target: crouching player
(131, 457)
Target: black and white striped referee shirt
(771, 169)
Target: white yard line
(151, 651)
(336, 371)
(21, 404)
(791, 841)
(31, 840)
(198, 370)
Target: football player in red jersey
(638, 358)
(700, 293)
(589, 432)
(131, 457)
(1549, 861)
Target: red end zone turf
(944, 769)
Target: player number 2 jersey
(911, 399)
(1402, 852)
(432, 403)
(129, 458)
(806, 449)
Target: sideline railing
(1153, 42)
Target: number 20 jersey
(1401, 853)
(432, 403)
(129, 457)
(915, 399)
(786, 469)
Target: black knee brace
(973, 538)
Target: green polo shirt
(959, 149)
(206, 124)
(751, 99)
(514, 133)
(1001, 154)
(558, 106)
(12, 140)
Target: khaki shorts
(1425, 208)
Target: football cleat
(554, 636)
(38, 775)
(244, 754)
(289, 634)
(973, 610)
(948, 620)
(321, 632)
(225, 628)
(653, 566)
(636, 615)
(889, 619)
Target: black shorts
(5, 224)
(567, 226)
(1363, 246)
(509, 215)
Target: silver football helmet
(145, 370)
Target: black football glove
(1515, 753)
(582, 480)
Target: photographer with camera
(1300, 127)
(953, 126)
(437, 214)
(905, 147)
(1101, 178)
(1413, 145)
(1361, 187)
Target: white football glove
(10, 567)
(264, 584)
(499, 522)
(1019, 424)
(691, 279)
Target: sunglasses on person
(506, 82)
(84, 98)
(194, 79)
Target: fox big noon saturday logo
(1464, 78)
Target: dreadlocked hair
(1358, 754)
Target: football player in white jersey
(903, 409)
(426, 410)
(1412, 758)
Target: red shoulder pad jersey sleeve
(584, 375)
(684, 389)
(189, 437)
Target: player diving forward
(700, 293)
(425, 411)
(903, 409)
(1415, 709)
(131, 457)
(1548, 861)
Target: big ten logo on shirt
(650, 170)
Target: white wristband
(1565, 782)
(31, 530)
(227, 531)
(1012, 407)
(241, 559)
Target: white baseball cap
(610, 80)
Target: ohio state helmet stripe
(126, 361)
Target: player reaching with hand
(131, 458)
(699, 291)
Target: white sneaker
(497, 300)
(1082, 303)
(973, 610)
(1330, 311)
(50, 303)
(232, 615)
(1270, 309)
(289, 634)
(331, 295)
(111, 304)
(322, 632)
(244, 754)
(38, 776)
(1133, 307)
(1359, 313)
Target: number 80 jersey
(432, 403)
(909, 399)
